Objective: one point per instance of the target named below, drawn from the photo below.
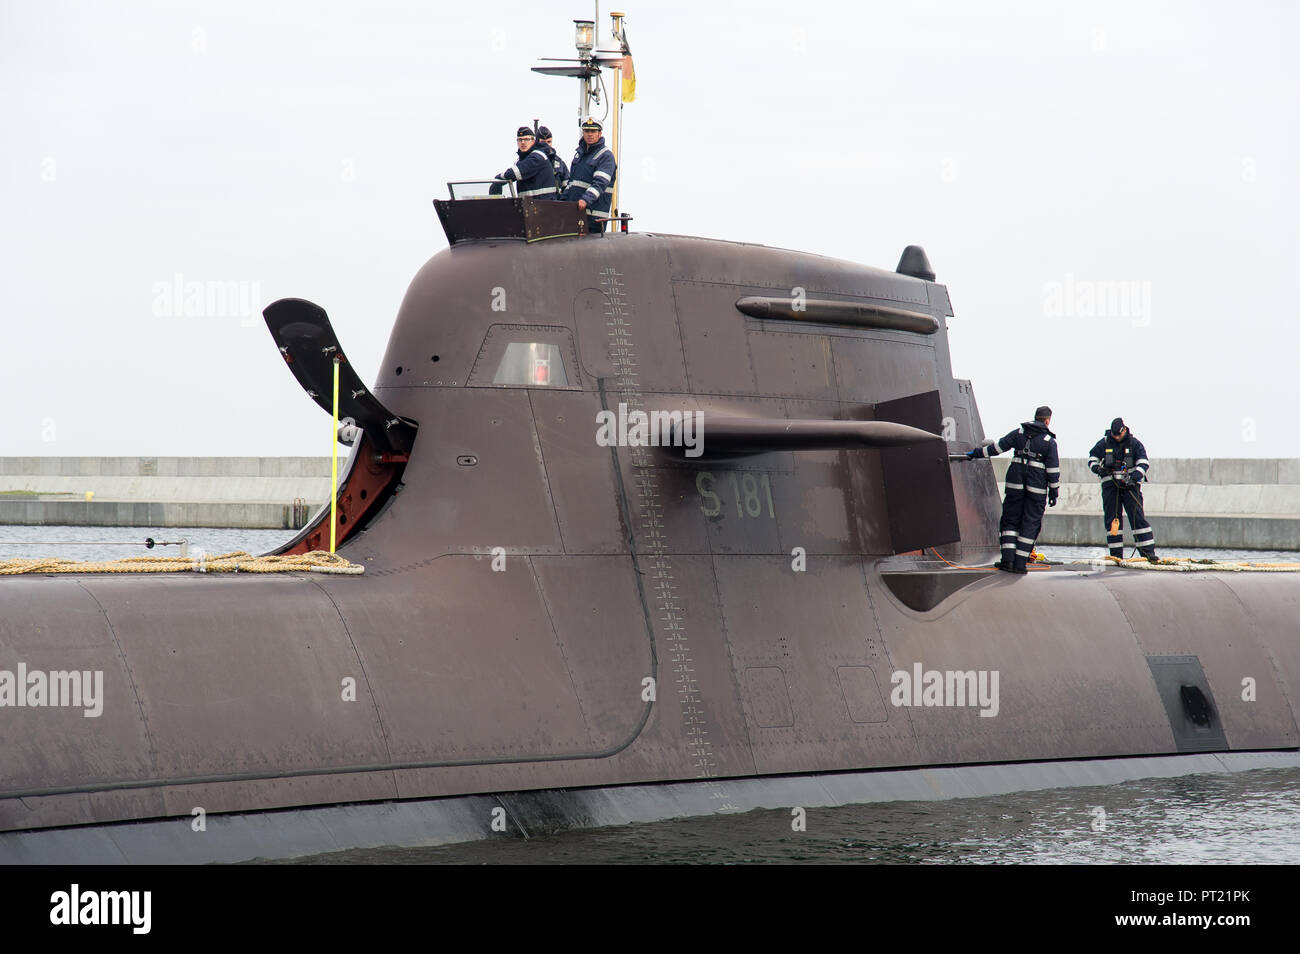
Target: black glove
(1052, 494)
(1135, 476)
(972, 454)
(1096, 469)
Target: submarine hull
(797, 685)
(545, 610)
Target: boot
(1003, 565)
(1150, 554)
(1019, 565)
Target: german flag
(629, 74)
(629, 80)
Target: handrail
(621, 219)
(487, 182)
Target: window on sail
(531, 365)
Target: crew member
(561, 170)
(1120, 460)
(532, 171)
(592, 175)
(1033, 480)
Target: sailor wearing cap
(533, 169)
(592, 175)
(1120, 460)
(561, 170)
(1033, 483)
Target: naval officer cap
(590, 123)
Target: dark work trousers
(1022, 518)
(1131, 497)
(595, 226)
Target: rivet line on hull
(672, 619)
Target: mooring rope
(1191, 565)
(1176, 564)
(317, 561)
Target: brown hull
(621, 565)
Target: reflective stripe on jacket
(534, 174)
(1036, 465)
(1130, 451)
(592, 174)
(561, 170)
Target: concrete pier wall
(244, 492)
(1226, 503)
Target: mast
(616, 124)
(586, 68)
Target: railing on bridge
(475, 213)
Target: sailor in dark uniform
(1120, 460)
(561, 170)
(1033, 483)
(591, 177)
(532, 171)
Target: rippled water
(1231, 818)
(109, 543)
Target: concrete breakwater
(1223, 503)
(242, 492)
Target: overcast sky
(1107, 189)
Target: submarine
(650, 525)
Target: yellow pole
(618, 132)
(617, 18)
(334, 458)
